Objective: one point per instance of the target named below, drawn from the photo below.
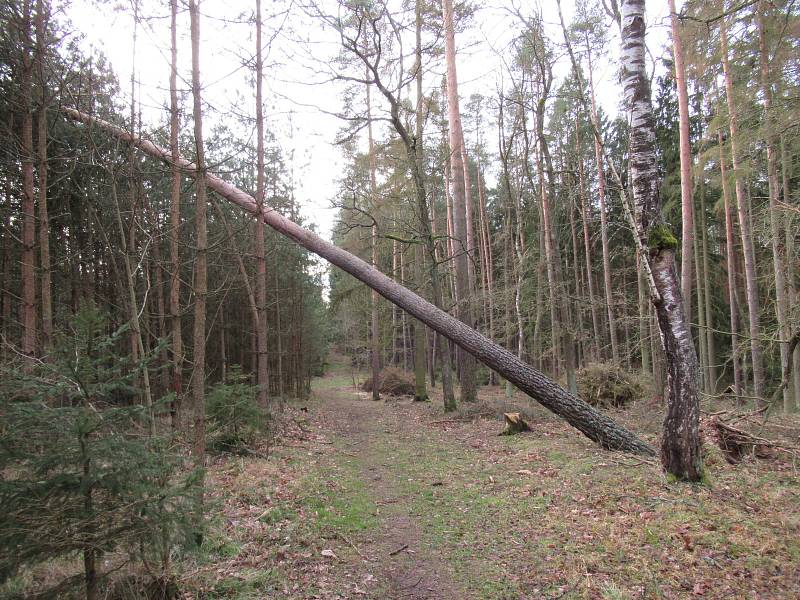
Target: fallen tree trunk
(592, 423)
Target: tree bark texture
(592, 423)
(28, 257)
(774, 186)
(175, 222)
(261, 261)
(373, 189)
(743, 211)
(201, 257)
(687, 203)
(462, 245)
(680, 447)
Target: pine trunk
(201, 258)
(373, 186)
(261, 261)
(28, 257)
(743, 212)
(44, 219)
(175, 224)
(774, 186)
(462, 244)
(601, 198)
(687, 203)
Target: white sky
(292, 104)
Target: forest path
(372, 443)
(395, 500)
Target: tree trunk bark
(44, 219)
(462, 244)
(774, 185)
(592, 423)
(794, 297)
(751, 282)
(687, 203)
(28, 257)
(711, 347)
(681, 453)
(373, 187)
(201, 258)
(175, 224)
(587, 248)
(730, 257)
(261, 261)
(601, 198)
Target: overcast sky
(299, 99)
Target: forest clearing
(399, 299)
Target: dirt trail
(402, 565)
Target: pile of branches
(724, 430)
(606, 385)
(392, 382)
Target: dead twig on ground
(398, 551)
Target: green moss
(660, 237)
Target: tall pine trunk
(262, 376)
(201, 259)
(743, 212)
(687, 203)
(44, 219)
(774, 186)
(601, 199)
(28, 257)
(462, 245)
(175, 223)
(373, 188)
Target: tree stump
(514, 424)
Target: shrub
(393, 382)
(234, 417)
(80, 475)
(608, 385)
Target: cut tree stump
(514, 424)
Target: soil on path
(394, 551)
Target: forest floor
(394, 499)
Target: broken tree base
(514, 424)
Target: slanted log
(595, 425)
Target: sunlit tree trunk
(687, 203)
(487, 267)
(742, 207)
(466, 362)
